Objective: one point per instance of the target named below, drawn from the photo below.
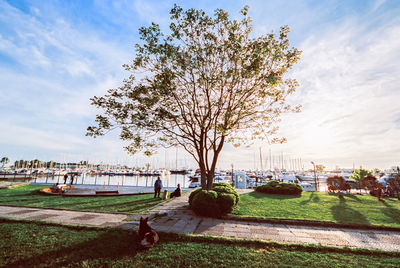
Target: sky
(56, 55)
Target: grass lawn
(28, 195)
(36, 244)
(354, 209)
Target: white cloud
(348, 76)
(350, 96)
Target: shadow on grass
(131, 204)
(111, 245)
(117, 248)
(308, 200)
(316, 199)
(342, 213)
(391, 212)
(33, 196)
(352, 196)
(272, 196)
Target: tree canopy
(337, 183)
(4, 160)
(206, 82)
(359, 174)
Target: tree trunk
(210, 179)
(203, 174)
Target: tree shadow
(111, 245)
(272, 196)
(342, 213)
(352, 196)
(304, 202)
(349, 195)
(391, 212)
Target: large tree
(206, 82)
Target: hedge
(277, 187)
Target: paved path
(174, 216)
(179, 219)
(62, 216)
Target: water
(146, 181)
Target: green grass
(350, 209)
(28, 195)
(47, 245)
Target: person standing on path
(72, 179)
(157, 187)
(65, 178)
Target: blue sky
(55, 55)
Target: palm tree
(4, 161)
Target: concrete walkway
(175, 216)
(62, 216)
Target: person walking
(65, 178)
(157, 187)
(72, 179)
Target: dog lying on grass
(147, 236)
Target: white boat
(225, 179)
(195, 184)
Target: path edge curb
(312, 223)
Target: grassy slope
(28, 195)
(34, 244)
(321, 207)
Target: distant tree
(393, 185)
(358, 174)
(319, 168)
(371, 183)
(4, 160)
(337, 183)
(207, 82)
(16, 164)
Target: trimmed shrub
(205, 203)
(192, 194)
(226, 202)
(222, 184)
(226, 198)
(228, 190)
(283, 188)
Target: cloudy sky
(55, 55)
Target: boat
(194, 184)
(180, 171)
(225, 179)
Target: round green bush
(273, 183)
(192, 194)
(226, 202)
(276, 187)
(222, 184)
(205, 203)
(228, 190)
(226, 199)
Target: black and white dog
(147, 236)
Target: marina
(187, 178)
(103, 180)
